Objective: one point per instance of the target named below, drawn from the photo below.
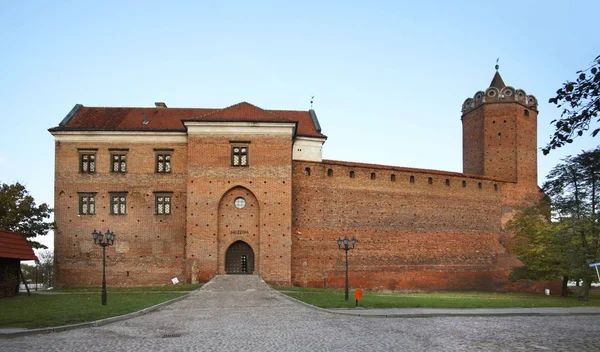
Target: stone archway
(239, 232)
(239, 258)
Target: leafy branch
(580, 103)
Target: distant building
(192, 193)
(13, 249)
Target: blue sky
(389, 77)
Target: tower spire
(497, 80)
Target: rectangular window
(87, 203)
(163, 203)
(239, 154)
(118, 203)
(118, 162)
(87, 162)
(163, 162)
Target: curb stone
(448, 315)
(26, 332)
(456, 313)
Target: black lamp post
(103, 241)
(345, 245)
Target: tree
(574, 187)
(46, 263)
(29, 272)
(565, 241)
(19, 213)
(539, 243)
(580, 101)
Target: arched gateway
(239, 232)
(239, 259)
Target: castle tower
(500, 134)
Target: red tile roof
(13, 245)
(241, 112)
(171, 119)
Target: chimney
(160, 104)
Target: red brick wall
(152, 249)
(473, 137)
(411, 235)
(238, 225)
(527, 150)
(500, 140)
(213, 185)
(149, 248)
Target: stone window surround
(166, 202)
(166, 154)
(240, 162)
(122, 204)
(89, 202)
(122, 154)
(87, 160)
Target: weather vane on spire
(497, 66)
(311, 101)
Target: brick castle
(193, 193)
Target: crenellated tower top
(499, 92)
(500, 134)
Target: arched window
(464, 183)
(479, 185)
(430, 181)
(329, 172)
(393, 178)
(412, 179)
(307, 171)
(373, 176)
(447, 182)
(351, 174)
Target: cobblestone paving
(244, 314)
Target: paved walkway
(233, 313)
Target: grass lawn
(333, 298)
(81, 305)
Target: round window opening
(239, 202)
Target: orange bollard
(358, 294)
